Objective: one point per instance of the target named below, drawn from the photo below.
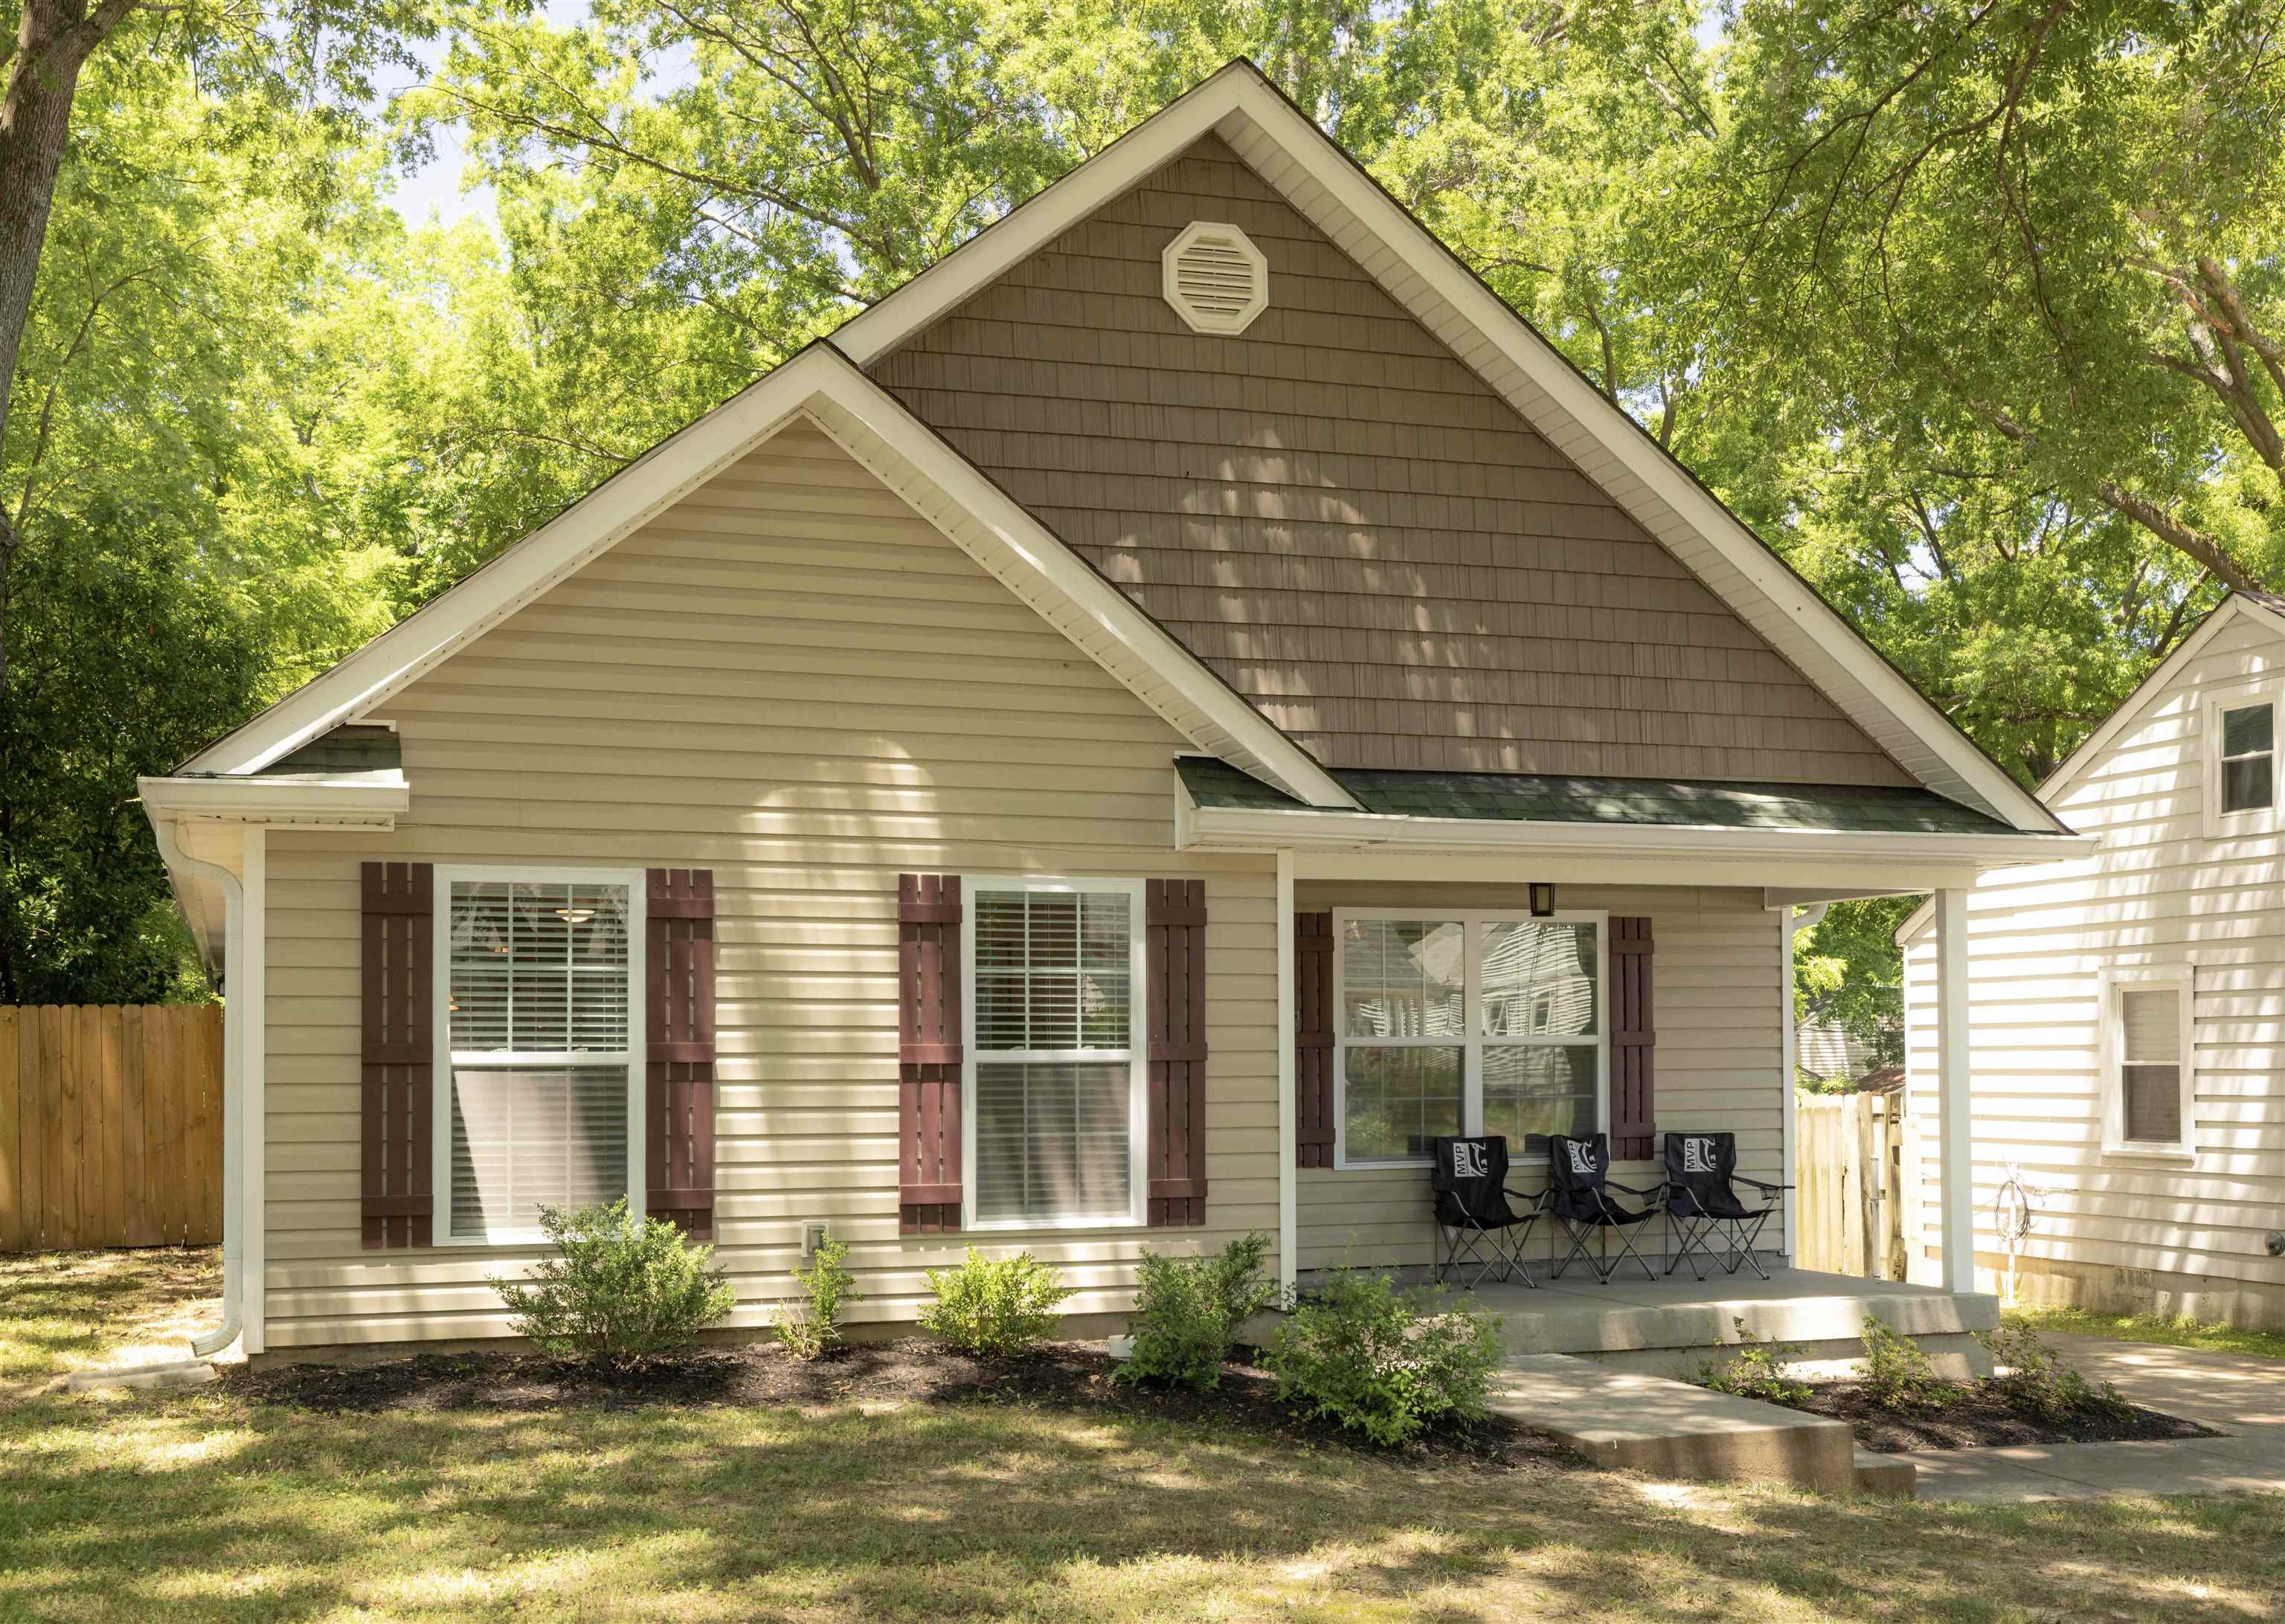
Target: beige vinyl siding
(1345, 521)
(2120, 1227)
(1718, 1012)
(793, 680)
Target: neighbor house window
(2147, 1060)
(1054, 1053)
(541, 1027)
(1466, 1024)
(2242, 766)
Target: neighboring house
(1830, 1052)
(2127, 1005)
(1074, 762)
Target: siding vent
(1215, 278)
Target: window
(2241, 779)
(2147, 1060)
(539, 1089)
(1465, 1023)
(1054, 1090)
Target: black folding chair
(1702, 1203)
(1579, 1181)
(1483, 1234)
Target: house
(2126, 1046)
(1185, 700)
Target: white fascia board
(1016, 549)
(1417, 269)
(1273, 828)
(365, 799)
(823, 386)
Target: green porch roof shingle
(1548, 798)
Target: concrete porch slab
(1669, 1428)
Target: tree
(2029, 244)
(304, 48)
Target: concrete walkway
(2240, 1395)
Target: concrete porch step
(1671, 1428)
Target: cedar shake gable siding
(1345, 522)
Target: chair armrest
(1633, 1189)
(1758, 1184)
(1535, 1201)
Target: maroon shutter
(397, 1205)
(1175, 923)
(1313, 1038)
(679, 1075)
(927, 1053)
(1633, 1036)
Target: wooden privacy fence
(110, 1125)
(1848, 1162)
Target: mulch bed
(1980, 1415)
(1071, 1377)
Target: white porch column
(1956, 1122)
(1289, 1119)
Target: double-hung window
(539, 1084)
(2147, 1060)
(1465, 1023)
(2241, 780)
(1055, 1097)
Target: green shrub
(1384, 1362)
(2035, 1381)
(1897, 1375)
(995, 1308)
(810, 1326)
(1757, 1371)
(1187, 1308)
(620, 1290)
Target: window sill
(2179, 1154)
(1034, 1225)
(1416, 1164)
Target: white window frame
(2111, 1050)
(637, 883)
(2220, 825)
(1138, 1125)
(1471, 1040)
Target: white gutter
(233, 1087)
(1307, 828)
(1289, 1117)
(372, 799)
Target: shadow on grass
(207, 1507)
(60, 1310)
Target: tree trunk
(54, 38)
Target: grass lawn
(64, 1311)
(2153, 1328)
(201, 1504)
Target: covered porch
(1405, 1016)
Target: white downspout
(233, 1087)
(1791, 922)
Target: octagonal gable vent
(1215, 277)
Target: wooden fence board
(110, 1125)
(1844, 1158)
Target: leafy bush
(2035, 1381)
(995, 1308)
(622, 1289)
(810, 1326)
(1897, 1375)
(1757, 1371)
(1382, 1363)
(1187, 1308)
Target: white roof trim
(362, 798)
(1253, 828)
(818, 383)
(1422, 274)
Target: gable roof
(1328, 187)
(820, 384)
(2266, 607)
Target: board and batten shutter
(678, 1043)
(1634, 1039)
(1313, 1040)
(1174, 956)
(397, 1202)
(928, 1053)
